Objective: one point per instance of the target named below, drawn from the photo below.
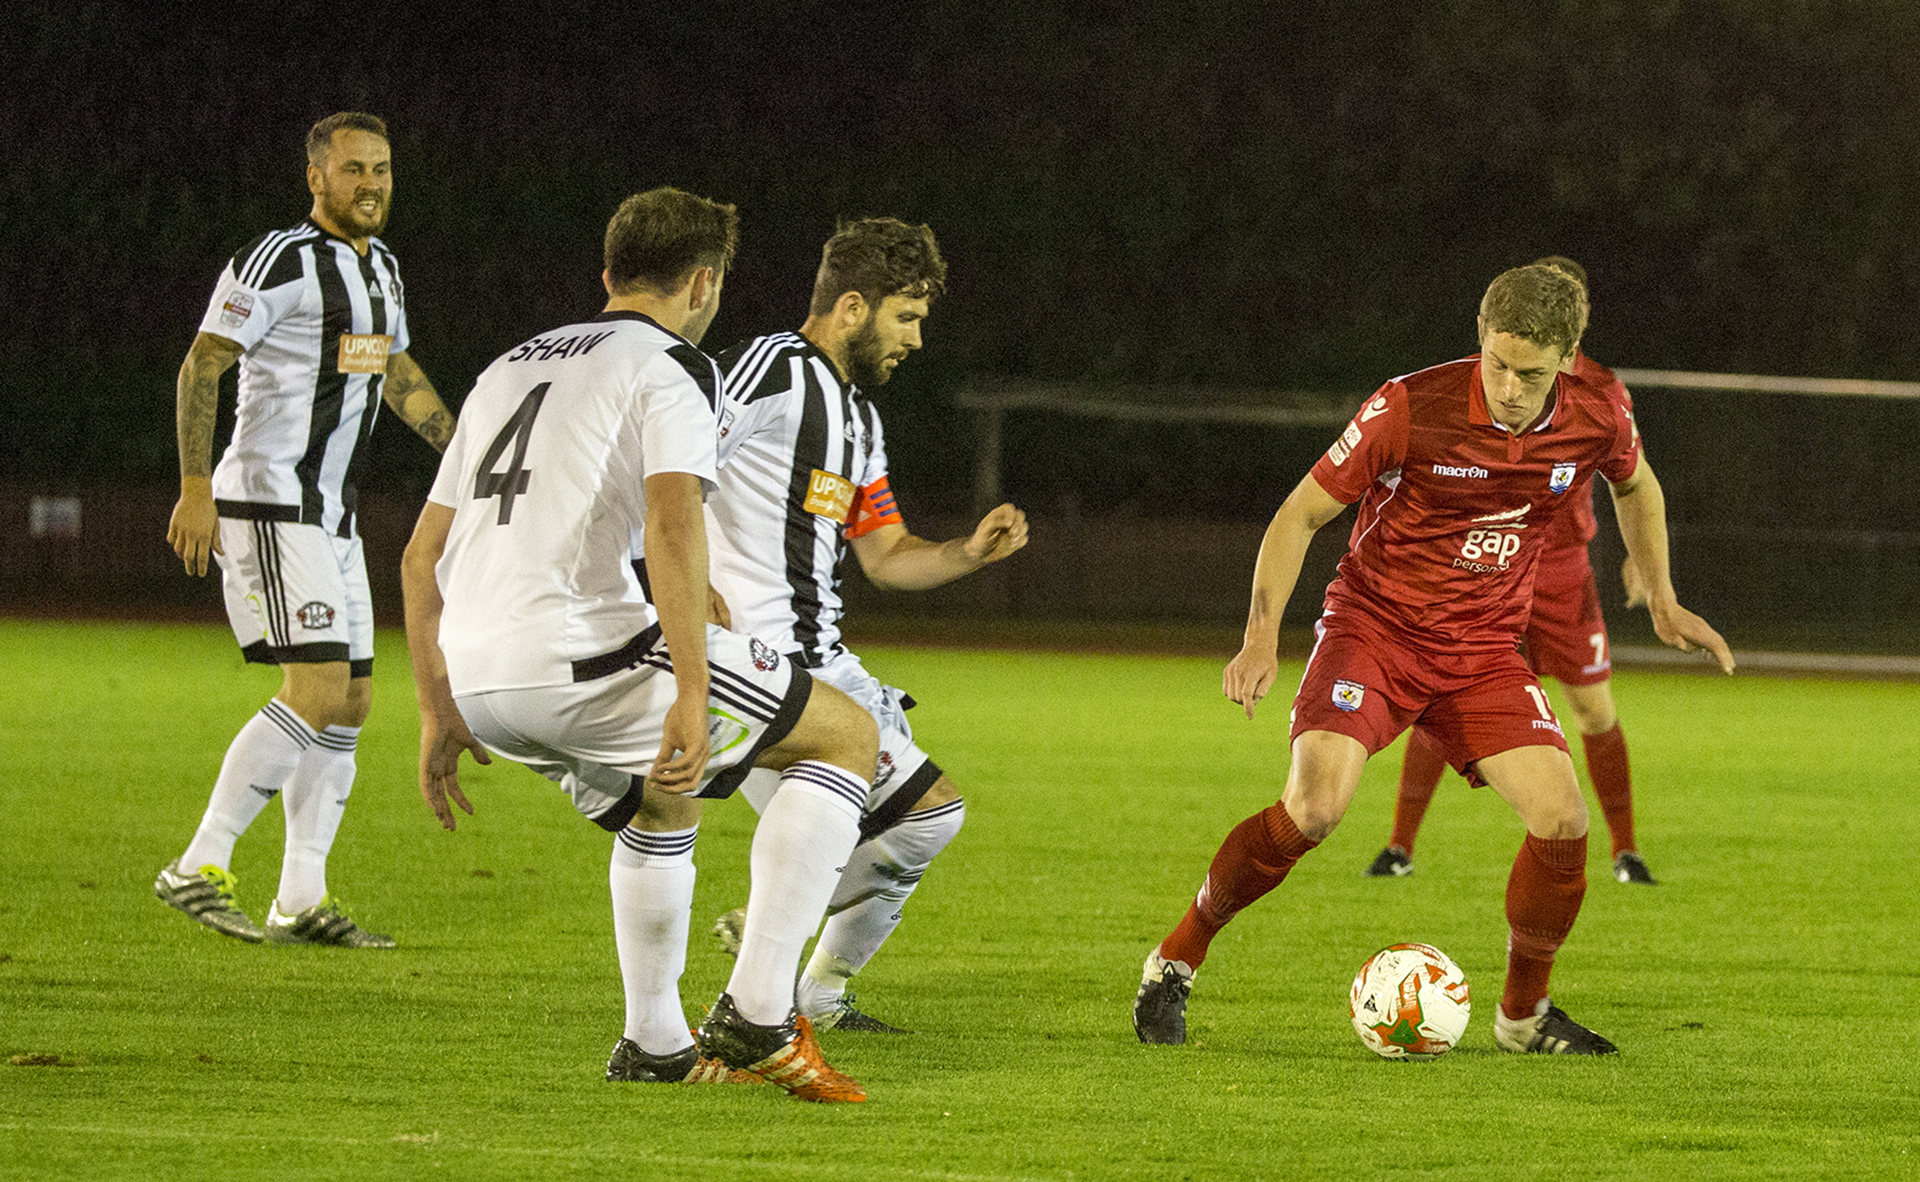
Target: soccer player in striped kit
(803, 479)
(1460, 471)
(532, 633)
(315, 316)
(1567, 641)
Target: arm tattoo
(196, 398)
(414, 399)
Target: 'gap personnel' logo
(1348, 695)
(829, 495)
(1562, 478)
(315, 616)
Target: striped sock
(259, 762)
(880, 875)
(799, 849)
(651, 876)
(315, 800)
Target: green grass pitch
(1764, 995)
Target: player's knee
(943, 792)
(1316, 808)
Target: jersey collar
(643, 318)
(1477, 405)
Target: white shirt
(546, 474)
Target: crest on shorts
(883, 770)
(1348, 694)
(764, 658)
(315, 616)
(1562, 478)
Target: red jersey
(1572, 531)
(1455, 509)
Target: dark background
(1302, 196)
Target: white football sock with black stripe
(651, 877)
(880, 874)
(258, 764)
(799, 849)
(314, 801)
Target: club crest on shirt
(764, 658)
(315, 616)
(726, 423)
(235, 311)
(1348, 694)
(1562, 478)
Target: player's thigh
(1538, 782)
(833, 729)
(1321, 780)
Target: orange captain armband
(873, 507)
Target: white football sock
(651, 877)
(880, 874)
(259, 762)
(799, 849)
(314, 801)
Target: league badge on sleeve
(1562, 478)
(1348, 694)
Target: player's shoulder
(1603, 379)
(757, 368)
(1448, 377)
(272, 258)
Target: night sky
(1308, 198)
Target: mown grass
(1762, 994)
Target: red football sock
(1612, 783)
(1419, 777)
(1251, 862)
(1544, 891)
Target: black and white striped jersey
(316, 322)
(803, 468)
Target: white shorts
(296, 594)
(905, 772)
(597, 738)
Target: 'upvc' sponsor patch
(363, 352)
(829, 495)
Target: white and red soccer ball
(1410, 1001)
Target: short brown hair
(1560, 262)
(1536, 303)
(320, 135)
(657, 237)
(878, 257)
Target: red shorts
(1364, 683)
(1567, 638)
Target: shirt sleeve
(1374, 443)
(1626, 440)
(397, 296)
(243, 313)
(741, 420)
(679, 431)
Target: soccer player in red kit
(1459, 471)
(1567, 641)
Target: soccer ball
(1410, 1001)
